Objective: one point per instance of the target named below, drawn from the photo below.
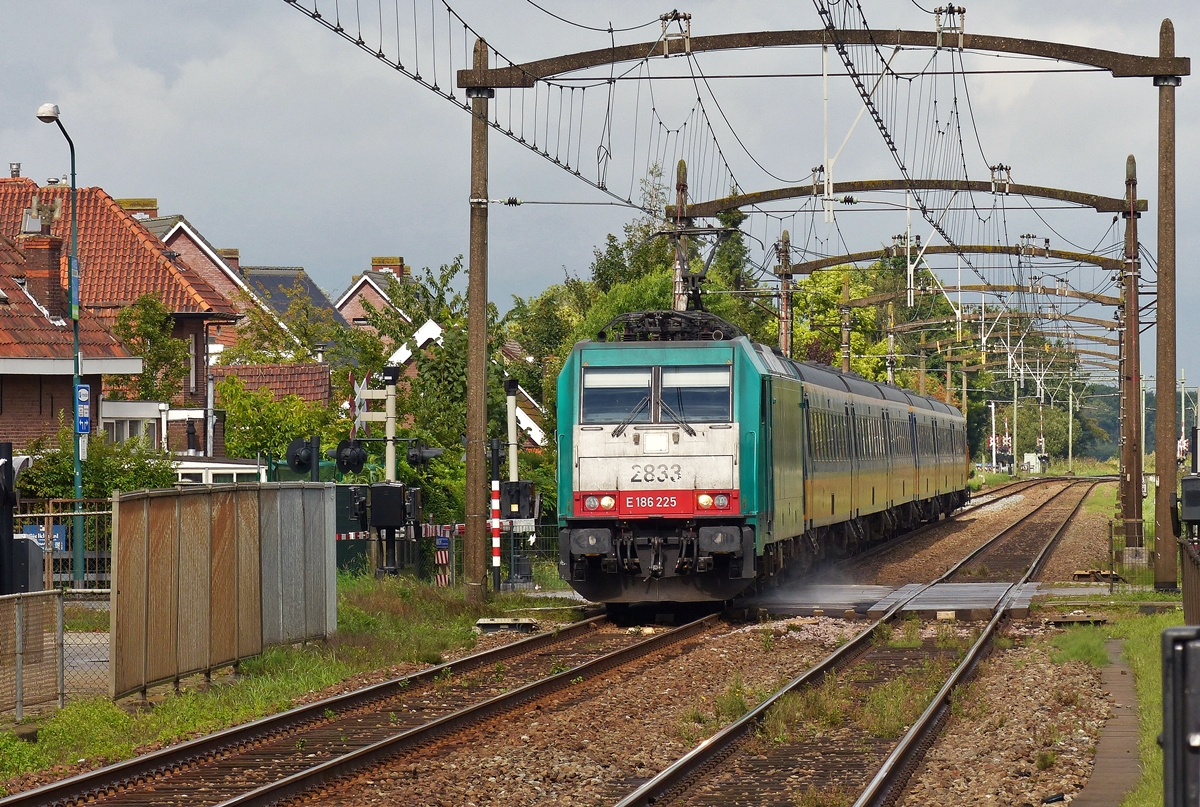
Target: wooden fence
(205, 576)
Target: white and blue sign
(83, 409)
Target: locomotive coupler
(656, 557)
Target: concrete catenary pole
(784, 256)
(1131, 377)
(1165, 468)
(476, 494)
(680, 296)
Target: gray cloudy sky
(275, 136)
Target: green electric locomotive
(694, 462)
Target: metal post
(19, 662)
(477, 297)
(921, 374)
(510, 394)
(389, 432)
(1165, 468)
(73, 280)
(992, 405)
(1014, 434)
(891, 354)
(845, 322)
(60, 624)
(949, 379)
(1070, 429)
(1131, 500)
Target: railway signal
(350, 457)
(303, 456)
(419, 455)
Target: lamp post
(48, 113)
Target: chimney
(43, 271)
(14, 170)
(142, 208)
(231, 257)
(395, 265)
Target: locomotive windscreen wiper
(617, 432)
(675, 417)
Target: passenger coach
(693, 462)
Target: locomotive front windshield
(656, 394)
(615, 394)
(697, 394)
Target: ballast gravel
(593, 743)
(1025, 731)
(925, 557)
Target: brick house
(310, 382)
(37, 361)
(120, 260)
(371, 287)
(220, 267)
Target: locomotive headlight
(591, 502)
(705, 501)
(607, 503)
(721, 501)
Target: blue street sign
(83, 409)
(441, 542)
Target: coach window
(616, 394)
(697, 394)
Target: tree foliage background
(130, 465)
(145, 329)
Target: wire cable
(608, 30)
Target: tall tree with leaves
(145, 328)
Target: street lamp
(48, 113)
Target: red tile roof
(119, 259)
(309, 381)
(26, 332)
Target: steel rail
(353, 761)
(879, 549)
(715, 748)
(171, 759)
(895, 771)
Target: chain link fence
(85, 643)
(75, 561)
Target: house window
(118, 431)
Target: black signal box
(350, 508)
(389, 505)
(517, 500)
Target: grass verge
(380, 623)
(1143, 653)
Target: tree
(145, 329)
(257, 423)
(311, 330)
(134, 464)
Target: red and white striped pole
(495, 515)
(496, 534)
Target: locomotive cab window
(656, 395)
(615, 394)
(697, 394)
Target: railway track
(221, 766)
(759, 760)
(282, 756)
(993, 496)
